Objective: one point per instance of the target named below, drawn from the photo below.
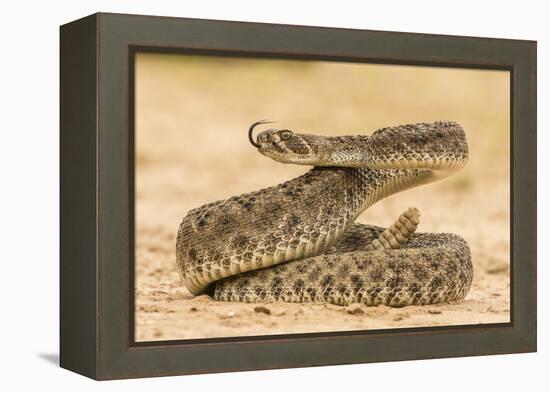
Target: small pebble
(227, 315)
(355, 309)
(434, 312)
(262, 309)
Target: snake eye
(286, 135)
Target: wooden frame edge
(78, 197)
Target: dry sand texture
(192, 114)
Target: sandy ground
(191, 148)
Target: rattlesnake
(297, 241)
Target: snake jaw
(287, 147)
(251, 129)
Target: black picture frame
(96, 195)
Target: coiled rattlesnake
(297, 241)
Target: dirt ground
(192, 115)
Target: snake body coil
(297, 241)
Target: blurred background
(192, 116)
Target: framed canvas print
(241, 196)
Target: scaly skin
(297, 241)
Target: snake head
(285, 146)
